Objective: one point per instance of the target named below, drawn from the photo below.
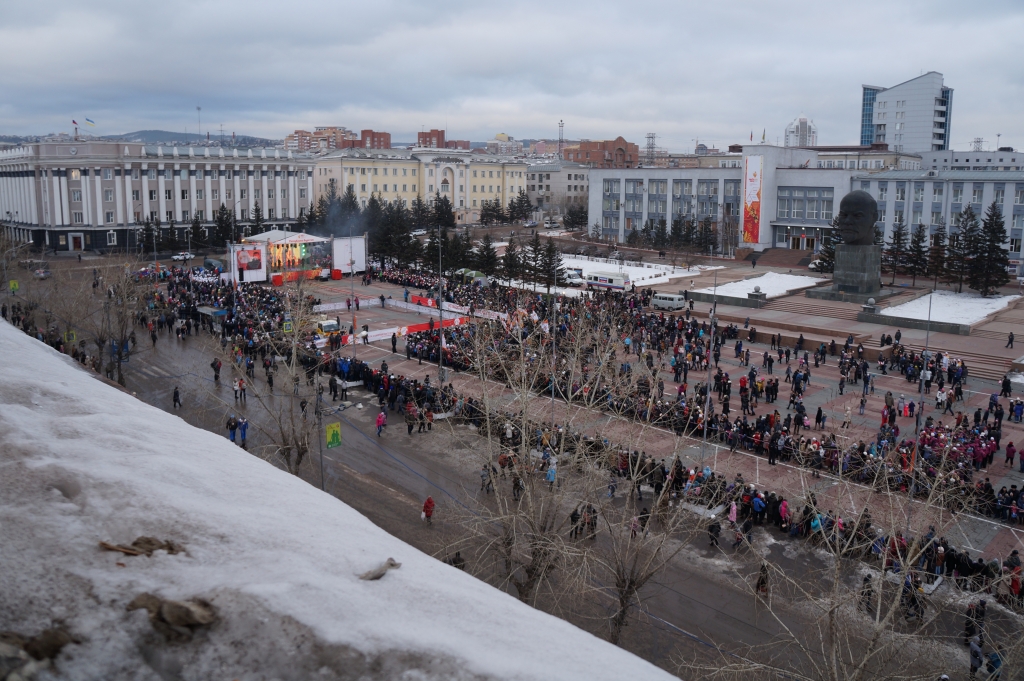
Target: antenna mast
(561, 137)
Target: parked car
(530, 223)
(42, 273)
(419, 232)
(182, 256)
(574, 280)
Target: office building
(914, 116)
(802, 132)
(467, 179)
(95, 195)
(504, 145)
(555, 186)
(1005, 158)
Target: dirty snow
(772, 283)
(646, 274)
(83, 462)
(950, 307)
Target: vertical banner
(333, 435)
(752, 170)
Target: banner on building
(753, 167)
(248, 262)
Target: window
(919, 193)
(243, 174)
(184, 195)
(414, 186)
(109, 217)
(111, 238)
(183, 174)
(151, 174)
(976, 194)
(199, 195)
(1014, 245)
(284, 193)
(783, 212)
(257, 194)
(937, 192)
(1018, 221)
(229, 173)
(1018, 196)
(76, 217)
(108, 195)
(245, 214)
(270, 193)
(797, 207)
(302, 175)
(136, 194)
(958, 195)
(108, 173)
(184, 216)
(612, 187)
(898, 216)
(901, 193)
(76, 196)
(243, 194)
(76, 174)
(302, 193)
(199, 214)
(918, 218)
(215, 194)
(270, 213)
(936, 217)
(169, 216)
(199, 174)
(826, 209)
(63, 240)
(1000, 195)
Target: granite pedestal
(857, 276)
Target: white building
(802, 132)
(914, 116)
(1004, 158)
(557, 185)
(93, 195)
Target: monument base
(830, 293)
(858, 269)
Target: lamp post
(711, 343)
(440, 312)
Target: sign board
(333, 431)
(753, 167)
(286, 327)
(349, 253)
(13, 285)
(248, 262)
(70, 337)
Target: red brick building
(616, 153)
(433, 139)
(329, 138)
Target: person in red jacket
(428, 508)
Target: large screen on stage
(248, 262)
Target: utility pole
(199, 119)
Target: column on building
(119, 195)
(176, 194)
(208, 189)
(146, 208)
(193, 204)
(161, 195)
(62, 196)
(277, 191)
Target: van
(668, 301)
(616, 281)
(325, 327)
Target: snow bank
(771, 283)
(83, 462)
(647, 274)
(954, 308)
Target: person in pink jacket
(784, 514)
(382, 421)
(1011, 451)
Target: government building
(94, 195)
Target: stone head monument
(858, 266)
(858, 213)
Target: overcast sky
(713, 71)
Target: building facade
(616, 153)
(557, 185)
(802, 132)
(94, 195)
(1005, 158)
(467, 179)
(914, 116)
(760, 197)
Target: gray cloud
(710, 71)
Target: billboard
(248, 262)
(349, 250)
(753, 167)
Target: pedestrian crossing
(152, 372)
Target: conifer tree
(551, 272)
(257, 224)
(534, 258)
(420, 214)
(917, 253)
(962, 249)
(512, 262)
(896, 251)
(487, 257)
(990, 259)
(575, 217)
(444, 215)
(937, 254)
(827, 252)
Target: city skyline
(605, 70)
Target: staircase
(780, 257)
(812, 308)
(978, 365)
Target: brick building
(616, 153)
(329, 138)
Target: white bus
(613, 280)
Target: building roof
(279, 236)
(880, 88)
(555, 166)
(424, 154)
(948, 175)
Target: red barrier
(420, 300)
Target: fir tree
(487, 257)
(990, 260)
(676, 235)
(512, 262)
(633, 238)
(421, 218)
(147, 237)
(937, 254)
(827, 252)
(444, 215)
(257, 225)
(378, 239)
(917, 253)
(487, 212)
(431, 250)
(575, 217)
(196, 235)
(550, 271)
(961, 249)
(660, 238)
(896, 252)
(343, 214)
(534, 257)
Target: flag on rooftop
(90, 122)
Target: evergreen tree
(962, 249)
(431, 250)
(146, 238)
(460, 252)
(487, 257)
(827, 252)
(633, 238)
(347, 211)
(312, 218)
(519, 207)
(660, 238)
(575, 217)
(421, 218)
(937, 254)
(444, 215)
(676, 235)
(257, 224)
(647, 234)
(534, 258)
(322, 208)
(550, 271)
(990, 259)
(895, 253)
(512, 262)
(196, 235)
(917, 253)
(379, 241)
(706, 237)
(487, 213)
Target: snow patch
(950, 307)
(773, 284)
(277, 559)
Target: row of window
(108, 194)
(957, 195)
(199, 174)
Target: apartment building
(328, 138)
(87, 195)
(467, 179)
(556, 186)
(914, 116)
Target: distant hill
(168, 137)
